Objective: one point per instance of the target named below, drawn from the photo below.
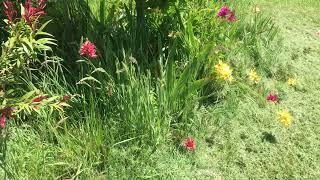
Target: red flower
(39, 99)
(88, 49)
(5, 113)
(272, 98)
(31, 13)
(9, 10)
(190, 144)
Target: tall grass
(150, 92)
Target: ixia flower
(190, 144)
(226, 13)
(232, 17)
(88, 49)
(39, 99)
(253, 76)
(292, 82)
(272, 98)
(285, 118)
(224, 71)
(9, 10)
(30, 13)
(5, 113)
(3, 121)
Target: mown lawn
(250, 145)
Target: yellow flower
(223, 71)
(256, 9)
(253, 76)
(285, 118)
(174, 35)
(292, 82)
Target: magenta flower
(224, 11)
(9, 10)
(31, 13)
(88, 49)
(3, 121)
(272, 98)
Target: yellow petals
(292, 82)
(174, 34)
(285, 118)
(223, 71)
(256, 9)
(253, 76)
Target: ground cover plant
(159, 89)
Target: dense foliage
(109, 83)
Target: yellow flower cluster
(285, 118)
(253, 76)
(292, 82)
(224, 71)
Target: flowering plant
(27, 42)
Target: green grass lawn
(239, 138)
(250, 145)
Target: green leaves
(23, 47)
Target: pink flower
(3, 121)
(30, 13)
(224, 11)
(190, 144)
(272, 98)
(39, 99)
(88, 49)
(9, 10)
(232, 17)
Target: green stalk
(141, 22)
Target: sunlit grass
(135, 126)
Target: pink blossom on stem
(88, 49)
(232, 17)
(2, 121)
(224, 11)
